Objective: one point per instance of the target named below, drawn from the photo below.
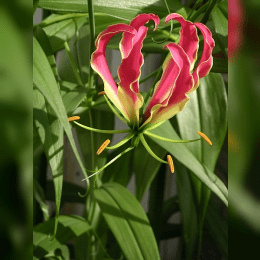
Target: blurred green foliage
(16, 130)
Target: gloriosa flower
(170, 94)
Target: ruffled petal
(206, 60)
(170, 95)
(99, 62)
(130, 69)
(189, 40)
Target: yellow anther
(102, 93)
(73, 118)
(205, 137)
(103, 147)
(170, 162)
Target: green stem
(92, 41)
(170, 140)
(114, 111)
(149, 150)
(74, 67)
(168, 34)
(110, 162)
(92, 140)
(103, 131)
(149, 76)
(126, 139)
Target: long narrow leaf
(45, 81)
(186, 157)
(128, 222)
(49, 128)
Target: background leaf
(69, 227)
(122, 9)
(220, 22)
(146, 167)
(128, 221)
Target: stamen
(103, 147)
(204, 137)
(102, 93)
(73, 118)
(170, 162)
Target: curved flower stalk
(179, 78)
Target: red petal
(206, 59)
(99, 63)
(171, 90)
(130, 68)
(189, 40)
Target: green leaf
(49, 128)
(187, 158)
(187, 203)
(69, 192)
(69, 227)
(219, 65)
(122, 9)
(62, 31)
(90, 141)
(170, 206)
(44, 80)
(80, 52)
(156, 198)
(72, 95)
(218, 226)
(221, 27)
(61, 252)
(128, 221)
(146, 167)
(38, 194)
(121, 170)
(206, 112)
(35, 4)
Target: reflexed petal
(99, 63)
(189, 40)
(169, 96)
(130, 69)
(206, 59)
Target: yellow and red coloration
(179, 76)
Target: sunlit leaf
(69, 227)
(119, 8)
(44, 80)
